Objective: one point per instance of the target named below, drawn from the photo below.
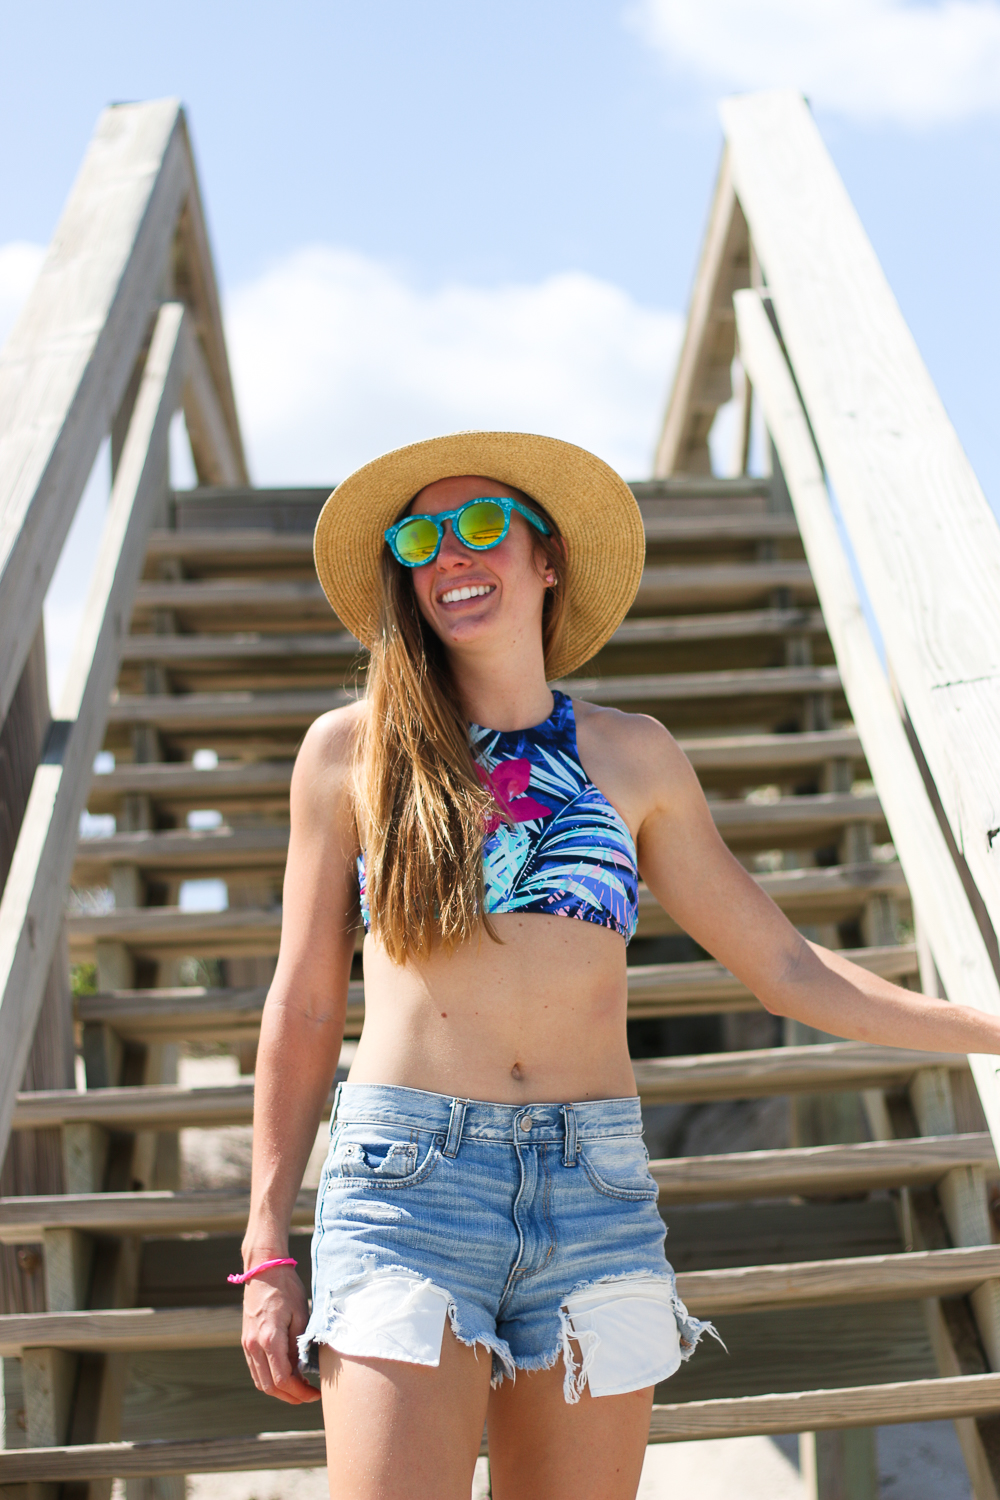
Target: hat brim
(593, 507)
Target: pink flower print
(507, 781)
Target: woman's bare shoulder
(323, 764)
(636, 739)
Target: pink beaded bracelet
(238, 1278)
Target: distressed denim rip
(533, 1229)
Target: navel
(515, 1071)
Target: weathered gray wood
(701, 1179)
(188, 852)
(811, 894)
(65, 368)
(732, 1075)
(29, 915)
(819, 1169)
(213, 431)
(926, 541)
(700, 988)
(960, 952)
(903, 1401)
(707, 1294)
(701, 381)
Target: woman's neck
(503, 694)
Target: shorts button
(527, 1123)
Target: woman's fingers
(272, 1319)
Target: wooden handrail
(926, 542)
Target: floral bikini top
(560, 848)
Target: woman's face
(508, 582)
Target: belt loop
(569, 1135)
(455, 1123)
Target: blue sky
(429, 216)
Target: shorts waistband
(477, 1119)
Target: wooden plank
(700, 1179)
(810, 1170)
(826, 1283)
(700, 988)
(66, 365)
(193, 851)
(959, 950)
(203, 710)
(902, 1401)
(925, 538)
(830, 1283)
(212, 428)
(24, 1220)
(723, 1075)
(31, 905)
(661, 588)
(756, 1074)
(682, 444)
(834, 891)
(251, 646)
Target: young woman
(488, 1244)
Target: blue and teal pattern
(576, 860)
(557, 846)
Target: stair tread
(722, 1075)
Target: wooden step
(805, 1171)
(188, 854)
(687, 1421)
(754, 757)
(832, 893)
(845, 1282)
(723, 1075)
(341, 645)
(812, 1170)
(205, 711)
(692, 989)
(699, 586)
(267, 548)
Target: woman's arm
(709, 894)
(300, 1038)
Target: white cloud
(336, 358)
(910, 63)
(19, 265)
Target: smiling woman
(488, 1243)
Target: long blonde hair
(421, 810)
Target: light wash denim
(533, 1228)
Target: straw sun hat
(593, 508)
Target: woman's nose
(451, 546)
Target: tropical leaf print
(579, 860)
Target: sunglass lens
(482, 525)
(416, 541)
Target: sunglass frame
(438, 518)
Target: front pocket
(618, 1166)
(380, 1156)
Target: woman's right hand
(275, 1312)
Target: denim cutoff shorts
(533, 1229)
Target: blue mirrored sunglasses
(479, 524)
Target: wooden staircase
(829, 1203)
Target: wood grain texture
(31, 905)
(810, 894)
(706, 1293)
(902, 1401)
(71, 354)
(698, 1179)
(732, 1075)
(682, 445)
(960, 952)
(819, 1169)
(926, 541)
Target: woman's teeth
(466, 593)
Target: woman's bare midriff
(538, 1018)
